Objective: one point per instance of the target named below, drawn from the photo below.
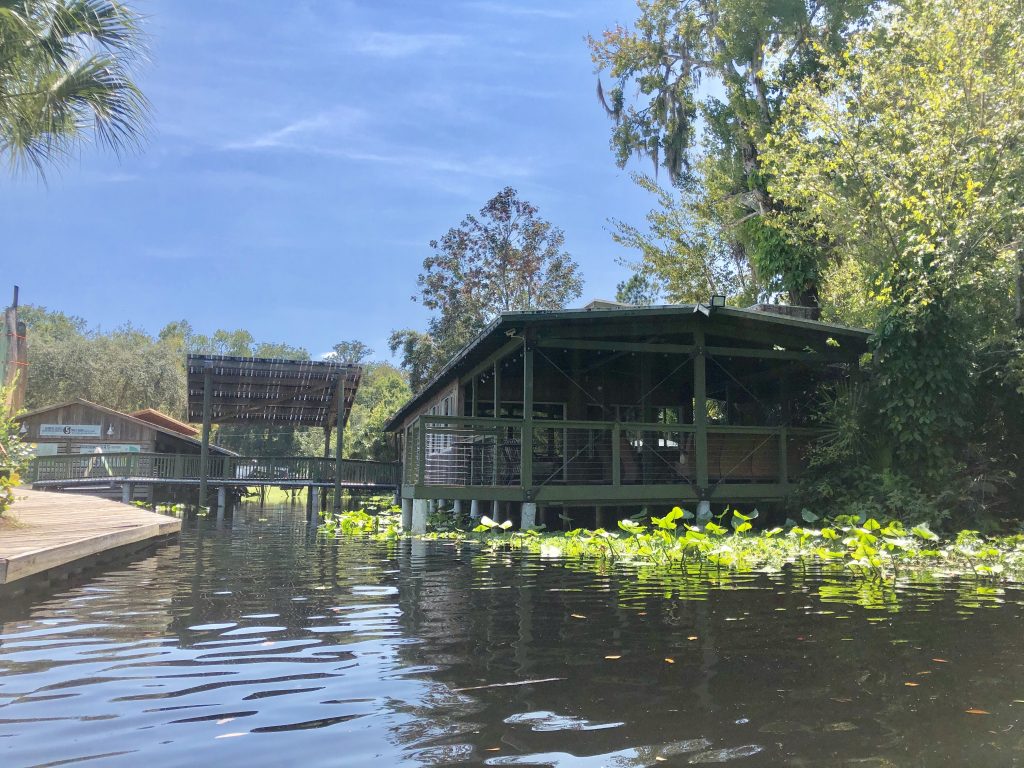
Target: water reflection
(253, 643)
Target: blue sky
(302, 155)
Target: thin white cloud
(396, 45)
(487, 167)
(515, 9)
(307, 130)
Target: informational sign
(109, 448)
(70, 430)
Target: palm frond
(65, 76)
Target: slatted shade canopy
(270, 391)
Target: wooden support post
(419, 515)
(528, 517)
(406, 514)
(526, 454)
(616, 454)
(786, 403)
(339, 438)
(497, 389)
(700, 412)
(474, 398)
(645, 415)
(314, 497)
(783, 457)
(222, 499)
(422, 439)
(204, 450)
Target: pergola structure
(251, 390)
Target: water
(253, 645)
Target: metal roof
(267, 390)
(511, 323)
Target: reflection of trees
(819, 660)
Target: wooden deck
(45, 531)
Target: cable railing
(475, 452)
(236, 470)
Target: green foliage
(862, 546)
(505, 259)
(124, 369)
(353, 352)
(14, 455)
(65, 75)
(726, 65)
(383, 390)
(684, 257)
(361, 523)
(906, 156)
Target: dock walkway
(45, 532)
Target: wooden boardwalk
(46, 531)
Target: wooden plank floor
(45, 530)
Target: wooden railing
(474, 452)
(236, 470)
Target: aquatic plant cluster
(866, 548)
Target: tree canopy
(697, 87)
(908, 156)
(506, 258)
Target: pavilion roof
(270, 391)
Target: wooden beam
(497, 389)
(204, 448)
(782, 354)
(700, 412)
(493, 359)
(585, 495)
(339, 437)
(598, 345)
(526, 452)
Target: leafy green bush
(14, 456)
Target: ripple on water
(393, 653)
(634, 757)
(549, 721)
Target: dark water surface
(254, 645)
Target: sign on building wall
(70, 430)
(109, 448)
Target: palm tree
(65, 76)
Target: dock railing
(230, 470)
(475, 452)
